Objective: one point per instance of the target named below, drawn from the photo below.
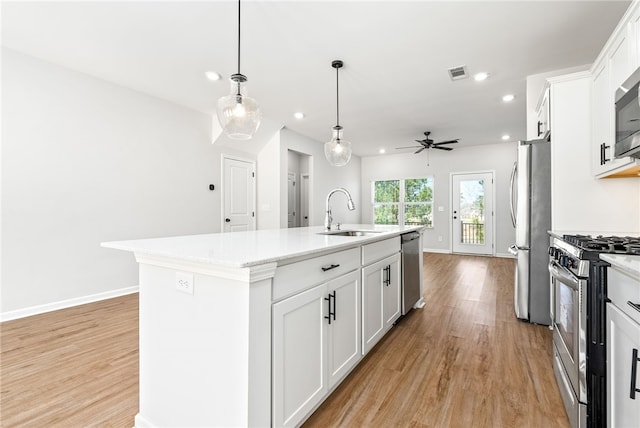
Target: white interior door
(472, 213)
(304, 200)
(238, 211)
(292, 200)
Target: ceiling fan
(428, 143)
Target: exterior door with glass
(472, 213)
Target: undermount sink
(350, 232)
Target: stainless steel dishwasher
(411, 270)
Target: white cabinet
(615, 65)
(345, 328)
(380, 299)
(316, 341)
(623, 369)
(543, 113)
(299, 355)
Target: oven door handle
(563, 275)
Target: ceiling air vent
(457, 73)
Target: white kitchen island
(257, 328)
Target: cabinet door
(380, 299)
(391, 291)
(543, 124)
(344, 333)
(373, 325)
(601, 125)
(623, 337)
(299, 349)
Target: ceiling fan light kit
(337, 151)
(239, 115)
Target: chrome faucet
(328, 218)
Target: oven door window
(566, 307)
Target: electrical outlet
(184, 282)
(439, 238)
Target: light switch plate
(184, 282)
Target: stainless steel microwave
(628, 118)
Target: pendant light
(239, 115)
(337, 151)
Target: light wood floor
(463, 360)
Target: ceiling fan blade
(419, 150)
(423, 142)
(446, 142)
(443, 148)
(408, 147)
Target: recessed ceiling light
(298, 115)
(212, 75)
(382, 151)
(508, 98)
(481, 76)
(505, 137)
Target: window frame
(402, 203)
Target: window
(407, 202)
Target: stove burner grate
(605, 244)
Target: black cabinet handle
(603, 153)
(387, 279)
(333, 295)
(634, 305)
(324, 269)
(539, 128)
(227, 220)
(331, 313)
(328, 316)
(634, 373)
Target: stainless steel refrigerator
(531, 217)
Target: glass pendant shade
(238, 114)
(337, 151)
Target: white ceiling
(394, 84)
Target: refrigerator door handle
(512, 196)
(514, 249)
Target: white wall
(268, 185)
(86, 161)
(323, 178)
(495, 157)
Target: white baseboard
(436, 250)
(444, 251)
(54, 306)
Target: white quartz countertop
(245, 249)
(626, 263)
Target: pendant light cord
(238, 36)
(337, 98)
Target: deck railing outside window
(472, 233)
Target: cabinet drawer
(622, 288)
(296, 277)
(379, 250)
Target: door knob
(227, 220)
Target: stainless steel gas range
(578, 313)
